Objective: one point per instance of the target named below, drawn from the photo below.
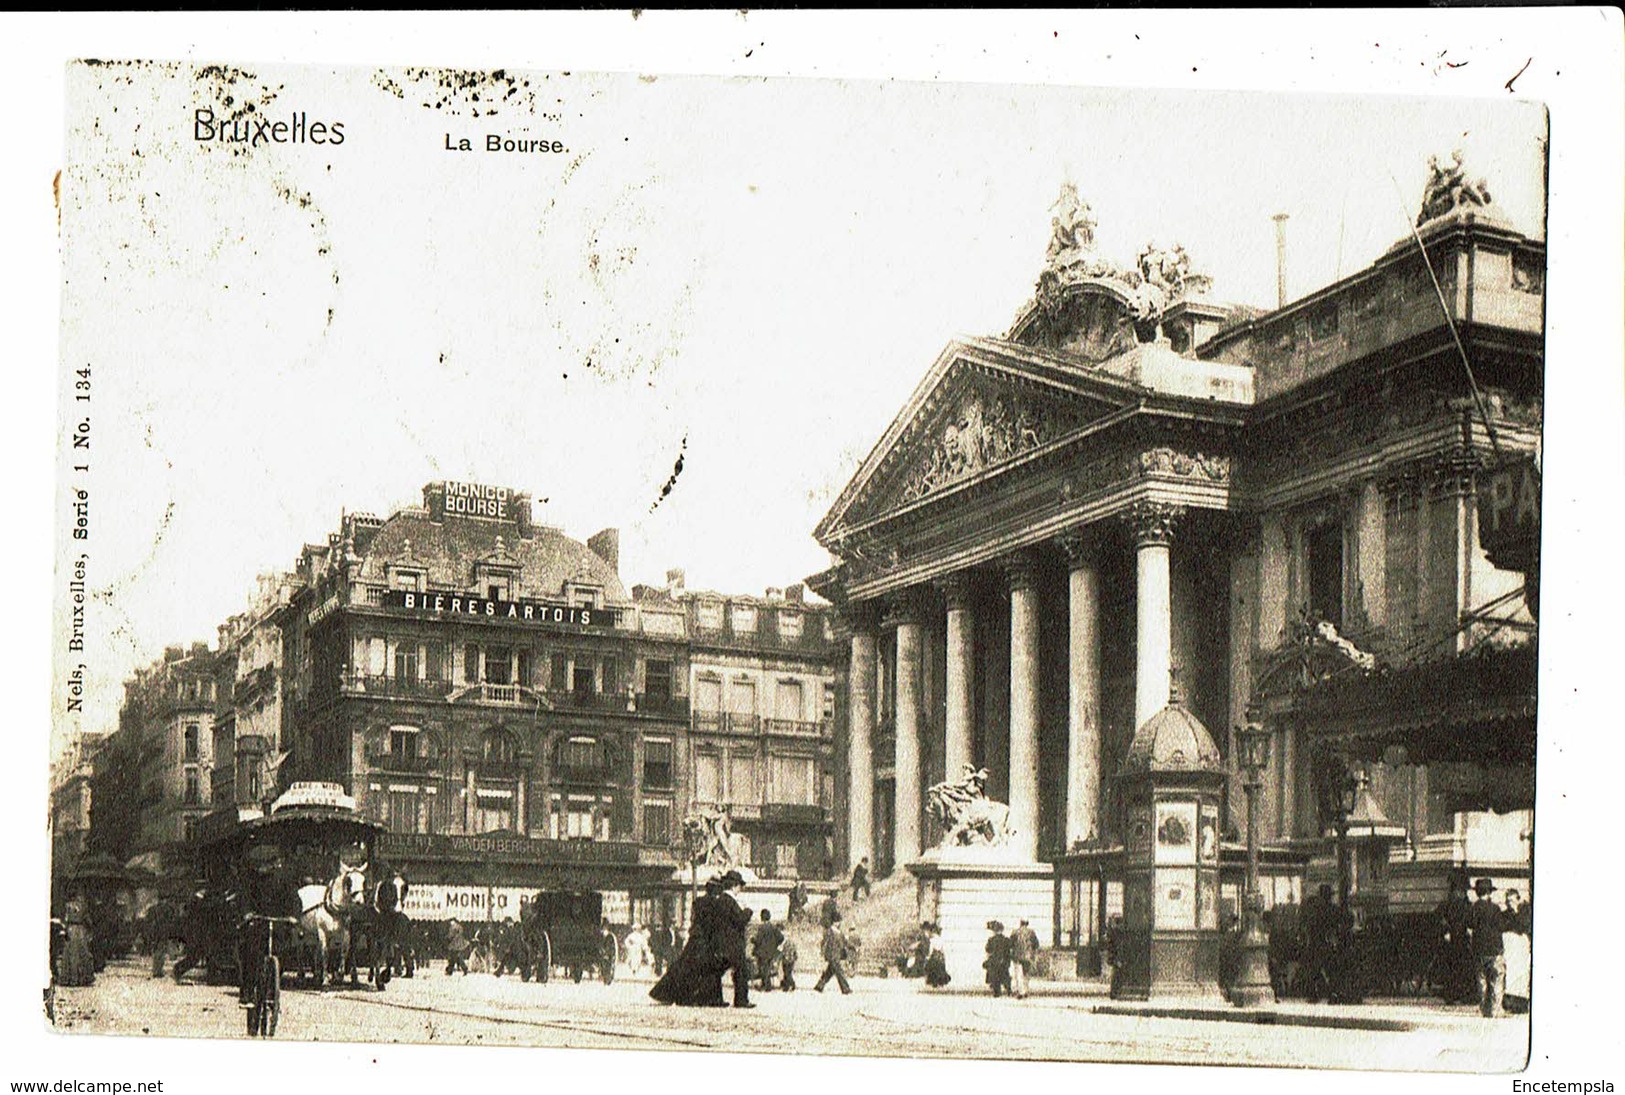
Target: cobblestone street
(882, 1017)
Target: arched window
(498, 747)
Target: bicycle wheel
(270, 995)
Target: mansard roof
(449, 551)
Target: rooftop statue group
(1161, 273)
(1448, 189)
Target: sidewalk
(1383, 1014)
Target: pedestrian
(457, 948)
(1458, 979)
(835, 948)
(828, 912)
(715, 946)
(787, 965)
(1484, 927)
(936, 960)
(911, 962)
(1023, 957)
(798, 902)
(662, 948)
(997, 962)
(609, 950)
(765, 946)
(162, 925)
(510, 947)
(636, 944)
(1515, 938)
(1319, 925)
(860, 880)
(77, 965)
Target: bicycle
(265, 1006)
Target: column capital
(1020, 570)
(955, 590)
(1080, 545)
(852, 617)
(1153, 522)
(904, 607)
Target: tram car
(563, 930)
(306, 867)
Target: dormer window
(498, 588)
(582, 595)
(409, 579)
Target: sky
(750, 275)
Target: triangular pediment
(985, 406)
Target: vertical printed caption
(78, 491)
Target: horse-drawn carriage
(563, 930)
(300, 888)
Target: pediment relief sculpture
(985, 430)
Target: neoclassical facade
(1138, 493)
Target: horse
(383, 927)
(325, 921)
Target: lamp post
(1253, 987)
(1348, 800)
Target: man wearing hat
(1485, 922)
(997, 963)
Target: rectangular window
(742, 698)
(612, 675)
(790, 699)
(189, 746)
(471, 664)
(742, 779)
(193, 794)
(707, 695)
(743, 618)
(409, 580)
(708, 615)
(561, 672)
(789, 624)
(377, 656)
(493, 810)
(583, 681)
(434, 661)
(406, 662)
(582, 754)
(498, 664)
(656, 822)
(1324, 546)
(522, 668)
(657, 762)
(707, 778)
(497, 588)
(403, 743)
(578, 819)
(402, 814)
(657, 678)
(794, 781)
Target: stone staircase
(884, 924)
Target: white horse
(325, 921)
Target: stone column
(1019, 571)
(860, 814)
(1083, 690)
(961, 643)
(1153, 524)
(910, 721)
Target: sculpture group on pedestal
(968, 818)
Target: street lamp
(1347, 788)
(1253, 987)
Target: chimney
(1280, 220)
(796, 593)
(607, 546)
(674, 579)
(774, 593)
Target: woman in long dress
(936, 962)
(1515, 944)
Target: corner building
(1139, 494)
(484, 686)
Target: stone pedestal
(962, 888)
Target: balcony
(386, 761)
(591, 775)
(396, 687)
(591, 701)
(655, 703)
(796, 728)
